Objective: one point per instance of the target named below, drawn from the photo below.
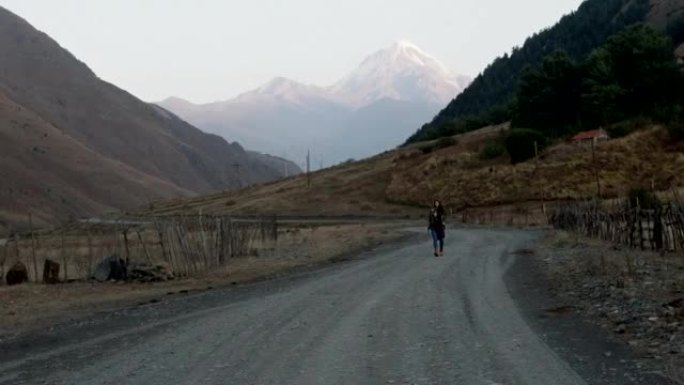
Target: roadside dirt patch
(636, 295)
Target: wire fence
(185, 245)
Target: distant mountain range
(372, 109)
(74, 145)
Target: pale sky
(208, 50)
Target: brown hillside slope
(48, 173)
(353, 189)
(565, 172)
(162, 155)
(665, 11)
(400, 181)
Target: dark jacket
(436, 220)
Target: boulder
(17, 274)
(50, 272)
(111, 268)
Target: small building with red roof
(595, 136)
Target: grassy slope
(399, 182)
(565, 172)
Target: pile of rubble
(114, 268)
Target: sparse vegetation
(622, 129)
(676, 128)
(492, 150)
(643, 198)
(520, 144)
(439, 144)
(402, 181)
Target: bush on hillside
(676, 129)
(622, 129)
(441, 143)
(492, 150)
(520, 144)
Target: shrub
(520, 144)
(426, 149)
(643, 198)
(445, 142)
(492, 150)
(676, 129)
(622, 129)
(439, 144)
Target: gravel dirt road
(394, 316)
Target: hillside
(382, 101)
(488, 99)
(74, 145)
(400, 182)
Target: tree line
(569, 47)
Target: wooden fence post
(33, 249)
(144, 246)
(64, 255)
(5, 255)
(126, 249)
(90, 250)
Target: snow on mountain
(372, 109)
(401, 72)
(284, 89)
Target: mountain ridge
(286, 117)
(57, 114)
(489, 97)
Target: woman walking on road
(436, 228)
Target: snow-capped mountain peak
(285, 89)
(402, 71)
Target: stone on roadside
(17, 274)
(111, 268)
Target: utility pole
(236, 165)
(308, 168)
(541, 185)
(596, 173)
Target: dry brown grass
(359, 188)
(565, 172)
(401, 181)
(298, 246)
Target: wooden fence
(527, 214)
(659, 229)
(187, 244)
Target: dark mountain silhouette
(487, 99)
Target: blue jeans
(437, 239)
